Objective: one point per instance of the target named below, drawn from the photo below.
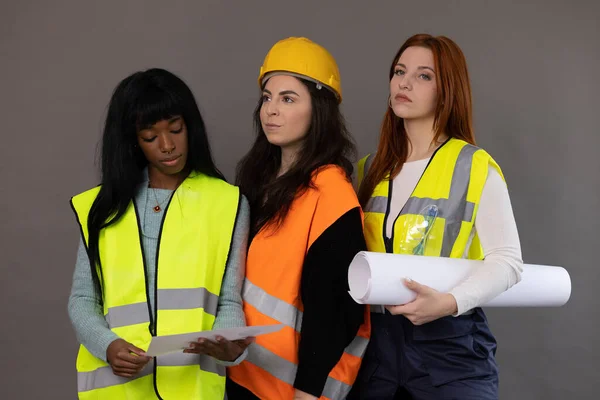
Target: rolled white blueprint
(376, 278)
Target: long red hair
(453, 114)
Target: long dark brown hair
(327, 142)
(453, 114)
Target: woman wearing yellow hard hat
(306, 226)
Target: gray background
(534, 70)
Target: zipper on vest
(154, 380)
(155, 316)
(155, 288)
(389, 242)
(151, 324)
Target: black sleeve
(331, 318)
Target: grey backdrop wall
(534, 70)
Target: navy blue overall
(450, 358)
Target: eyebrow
(282, 93)
(419, 67)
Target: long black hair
(327, 142)
(139, 100)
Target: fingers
(220, 343)
(226, 349)
(123, 362)
(412, 285)
(133, 359)
(405, 309)
(136, 350)
(408, 311)
(193, 350)
(208, 346)
(243, 343)
(221, 349)
(203, 346)
(123, 374)
(126, 372)
(123, 365)
(235, 348)
(395, 310)
(231, 350)
(418, 287)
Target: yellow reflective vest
(438, 218)
(192, 252)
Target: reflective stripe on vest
(169, 299)
(186, 295)
(364, 164)
(285, 371)
(104, 376)
(289, 315)
(456, 206)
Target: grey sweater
(85, 310)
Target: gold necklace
(157, 207)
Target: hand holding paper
(428, 306)
(221, 349)
(161, 345)
(125, 359)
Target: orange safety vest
(271, 294)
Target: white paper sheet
(376, 278)
(161, 345)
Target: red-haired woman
(430, 191)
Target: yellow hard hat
(301, 57)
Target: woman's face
(413, 87)
(286, 111)
(165, 145)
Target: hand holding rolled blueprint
(376, 278)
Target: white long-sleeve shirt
(497, 230)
